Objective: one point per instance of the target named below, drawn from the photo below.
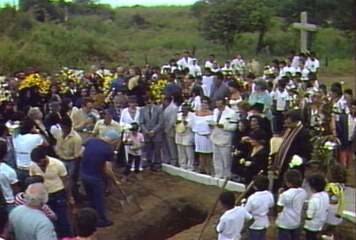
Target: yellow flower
(35, 80)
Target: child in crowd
(335, 189)
(134, 139)
(290, 206)
(258, 205)
(232, 221)
(318, 206)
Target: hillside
(138, 35)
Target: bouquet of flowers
(156, 89)
(105, 76)
(68, 74)
(35, 80)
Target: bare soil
(171, 208)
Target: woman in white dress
(201, 122)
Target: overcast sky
(131, 2)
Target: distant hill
(138, 35)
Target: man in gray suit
(170, 111)
(219, 89)
(151, 123)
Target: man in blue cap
(95, 167)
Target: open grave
(171, 208)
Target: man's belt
(23, 168)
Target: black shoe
(102, 224)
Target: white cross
(304, 28)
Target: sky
(117, 3)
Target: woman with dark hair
(202, 131)
(257, 123)
(257, 158)
(67, 107)
(240, 148)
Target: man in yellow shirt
(105, 124)
(55, 178)
(69, 150)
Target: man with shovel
(95, 167)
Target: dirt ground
(171, 208)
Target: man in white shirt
(232, 221)
(258, 205)
(312, 63)
(225, 123)
(185, 61)
(238, 64)
(8, 178)
(318, 206)
(194, 68)
(209, 63)
(207, 81)
(280, 102)
(290, 205)
(185, 138)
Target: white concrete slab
(202, 178)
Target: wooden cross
(304, 28)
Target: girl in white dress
(129, 115)
(201, 122)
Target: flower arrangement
(156, 89)
(35, 80)
(105, 77)
(68, 74)
(5, 93)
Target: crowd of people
(74, 128)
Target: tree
(222, 20)
(220, 23)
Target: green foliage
(222, 21)
(97, 33)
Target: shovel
(128, 204)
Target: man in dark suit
(151, 123)
(296, 143)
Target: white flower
(296, 161)
(330, 145)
